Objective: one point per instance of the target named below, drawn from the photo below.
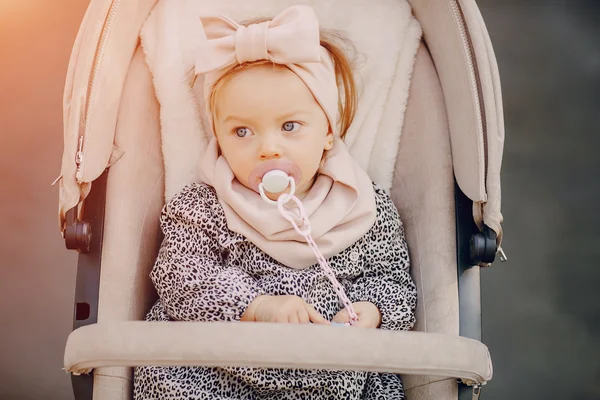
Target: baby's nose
(270, 148)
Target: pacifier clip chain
(276, 181)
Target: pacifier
(276, 181)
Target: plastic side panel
(468, 275)
(469, 290)
(88, 277)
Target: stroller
(436, 103)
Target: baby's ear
(329, 141)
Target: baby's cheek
(311, 165)
(241, 172)
(308, 175)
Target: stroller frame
(477, 243)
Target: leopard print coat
(206, 272)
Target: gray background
(541, 309)
(541, 316)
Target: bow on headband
(292, 39)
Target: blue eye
(290, 126)
(242, 132)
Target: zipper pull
(502, 255)
(79, 154)
(79, 159)
(476, 391)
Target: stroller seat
(444, 181)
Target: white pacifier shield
(275, 181)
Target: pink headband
(290, 39)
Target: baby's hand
(291, 309)
(368, 314)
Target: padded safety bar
(135, 343)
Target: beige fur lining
(386, 39)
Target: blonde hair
(331, 41)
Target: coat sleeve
(189, 274)
(386, 280)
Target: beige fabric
(462, 51)
(443, 30)
(113, 383)
(424, 194)
(340, 206)
(263, 344)
(134, 199)
(437, 389)
(494, 118)
(171, 56)
(100, 60)
(423, 191)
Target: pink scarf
(340, 206)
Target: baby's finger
(342, 317)
(293, 318)
(364, 323)
(361, 323)
(314, 316)
(280, 318)
(303, 316)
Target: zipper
(80, 156)
(459, 16)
